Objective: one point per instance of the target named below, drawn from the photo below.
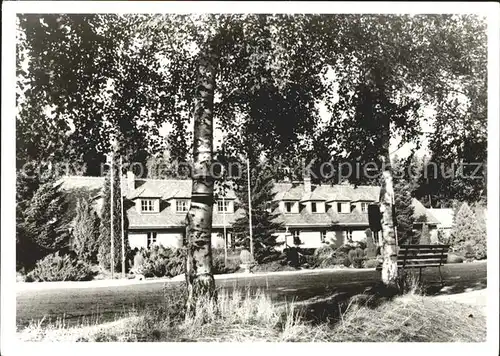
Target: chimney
(130, 181)
(307, 184)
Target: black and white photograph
(239, 172)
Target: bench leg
(441, 277)
(420, 275)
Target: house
(156, 209)
(312, 215)
(445, 218)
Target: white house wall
(358, 235)
(137, 239)
(310, 239)
(217, 240)
(169, 239)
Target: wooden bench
(420, 257)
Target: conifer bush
(86, 232)
(356, 257)
(468, 236)
(56, 267)
(104, 251)
(425, 236)
(265, 218)
(371, 248)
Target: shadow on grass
(331, 308)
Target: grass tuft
(245, 316)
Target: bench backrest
(418, 256)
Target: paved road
(109, 301)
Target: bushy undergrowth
(454, 258)
(220, 266)
(55, 267)
(159, 261)
(346, 255)
(274, 266)
(371, 263)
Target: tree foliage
(403, 203)
(467, 233)
(41, 225)
(104, 251)
(85, 232)
(265, 215)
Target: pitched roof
(420, 209)
(443, 215)
(147, 188)
(167, 189)
(324, 192)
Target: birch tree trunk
(199, 278)
(389, 243)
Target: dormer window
(314, 208)
(343, 207)
(288, 206)
(222, 206)
(147, 205)
(181, 205)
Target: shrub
(310, 261)
(273, 266)
(323, 253)
(159, 261)
(356, 257)
(468, 231)
(361, 244)
(453, 258)
(371, 248)
(177, 263)
(154, 263)
(219, 265)
(272, 255)
(371, 263)
(469, 252)
(292, 256)
(341, 255)
(60, 268)
(246, 257)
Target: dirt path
(476, 298)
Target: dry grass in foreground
(241, 317)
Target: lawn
(242, 316)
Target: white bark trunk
(199, 277)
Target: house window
(151, 239)
(349, 235)
(147, 205)
(364, 207)
(222, 206)
(313, 207)
(181, 206)
(296, 237)
(288, 207)
(323, 235)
